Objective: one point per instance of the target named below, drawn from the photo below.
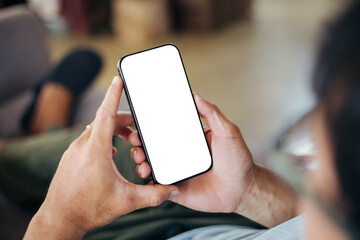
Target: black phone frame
(127, 93)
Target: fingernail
(134, 153)
(174, 194)
(197, 95)
(116, 80)
(140, 169)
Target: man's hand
(221, 188)
(235, 183)
(87, 190)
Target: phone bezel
(138, 125)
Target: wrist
(267, 199)
(248, 198)
(48, 225)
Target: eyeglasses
(295, 158)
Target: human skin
(87, 190)
(235, 183)
(267, 199)
(52, 108)
(325, 182)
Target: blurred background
(254, 59)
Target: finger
(137, 154)
(213, 117)
(207, 131)
(208, 137)
(104, 124)
(84, 137)
(124, 119)
(114, 151)
(123, 132)
(143, 170)
(134, 139)
(154, 195)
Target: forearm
(45, 225)
(267, 200)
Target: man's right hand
(221, 188)
(235, 183)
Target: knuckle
(155, 199)
(104, 114)
(215, 108)
(101, 112)
(230, 129)
(76, 144)
(233, 128)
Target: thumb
(154, 195)
(212, 115)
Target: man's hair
(337, 86)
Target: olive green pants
(27, 166)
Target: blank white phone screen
(163, 104)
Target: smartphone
(165, 114)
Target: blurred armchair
(24, 58)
